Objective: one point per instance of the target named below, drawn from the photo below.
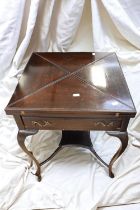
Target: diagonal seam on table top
(83, 80)
(70, 74)
(57, 80)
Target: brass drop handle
(42, 124)
(104, 124)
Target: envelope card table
(75, 92)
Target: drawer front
(43, 123)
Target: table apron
(45, 123)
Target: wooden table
(75, 93)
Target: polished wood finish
(66, 123)
(98, 80)
(75, 92)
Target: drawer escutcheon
(110, 124)
(41, 124)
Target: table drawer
(44, 123)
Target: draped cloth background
(73, 180)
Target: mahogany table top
(79, 83)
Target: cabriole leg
(123, 136)
(22, 134)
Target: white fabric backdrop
(73, 180)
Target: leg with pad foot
(123, 136)
(22, 134)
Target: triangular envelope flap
(37, 74)
(44, 68)
(70, 94)
(69, 61)
(106, 76)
